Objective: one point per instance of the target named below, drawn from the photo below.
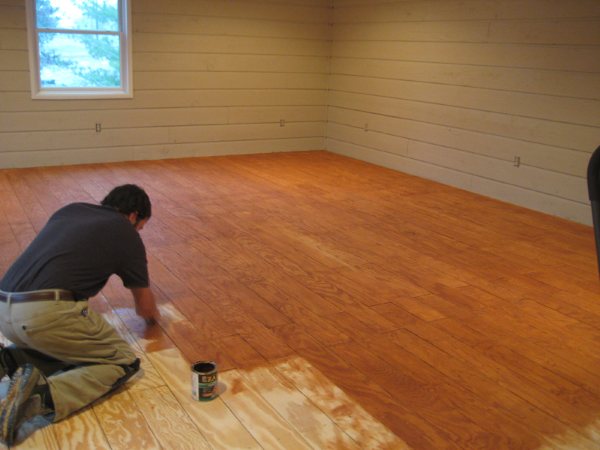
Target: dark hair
(128, 199)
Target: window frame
(57, 93)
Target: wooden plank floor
(347, 305)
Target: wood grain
(81, 431)
(349, 416)
(358, 306)
(123, 423)
(219, 425)
(258, 416)
(312, 423)
(168, 420)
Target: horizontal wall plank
(276, 113)
(20, 142)
(18, 3)
(27, 141)
(159, 151)
(564, 57)
(13, 39)
(158, 117)
(245, 132)
(455, 31)
(15, 80)
(487, 100)
(127, 118)
(239, 45)
(175, 62)
(228, 80)
(384, 11)
(21, 101)
(570, 136)
(378, 127)
(316, 11)
(185, 24)
(534, 81)
(14, 60)
(583, 31)
(13, 16)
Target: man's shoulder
(77, 206)
(87, 219)
(90, 215)
(82, 208)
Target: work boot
(28, 396)
(8, 365)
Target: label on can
(204, 380)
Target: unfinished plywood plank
(81, 431)
(123, 424)
(41, 439)
(262, 421)
(312, 423)
(168, 421)
(346, 413)
(218, 424)
(149, 377)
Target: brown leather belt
(34, 296)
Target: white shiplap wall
(454, 90)
(210, 77)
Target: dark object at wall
(593, 179)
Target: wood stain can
(204, 380)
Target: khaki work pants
(80, 354)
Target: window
(79, 48)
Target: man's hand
(145, 305)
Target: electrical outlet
(517, 161)
(282, 122)
(366, 127)
(98, 127)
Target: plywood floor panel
(218, 424)
(347, 305)
(124, 424)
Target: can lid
(204, 366)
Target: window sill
(83, 94)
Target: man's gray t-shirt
(79, 248)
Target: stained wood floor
(347, 305)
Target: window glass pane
(79, 60)
(90, 15)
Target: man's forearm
(145, 303)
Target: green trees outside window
(80, 46)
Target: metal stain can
(204, 380)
